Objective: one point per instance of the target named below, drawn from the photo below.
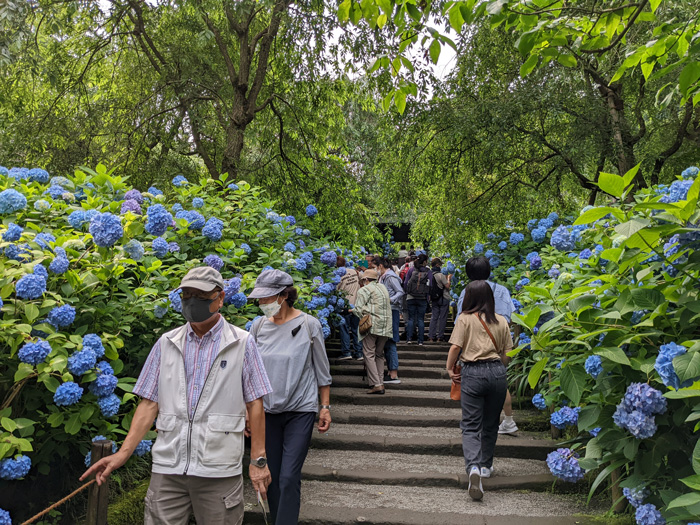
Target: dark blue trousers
(287, 440)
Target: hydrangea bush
(611, 316)
(88, 285)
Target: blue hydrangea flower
(173, 247)
(132, 206)
(177, 207)
(232, 186)
(311, 210)
(34, 353)
(503, 245)
(565, 416)
(524, 340)
(67, 394)
(19, 174)
(247, 249)
(59, 265)
(329, 258)
(176, 300)
(42, 205)
(109, 405)
(106, 229)
(104, 385)
(554, 216)
(43, 239)
(531, 224)
(300, 265)
(214, 261)
(231, 288)
(103, 367)
(159, 247)
(62, 316)
(595, 431)
(55, 191)
(290, 220)
(135, 195)
(160, 310)
(648, 515)
(690, 172)
(308, 257)
(82, 361)
(290, 247)
(585, 254)
(522, 283)
(93, 342)
(80, 218)
(239, 300)
(179, 180)
(40, 271)
(5, 518)
(11, 201)
(679, 190)
(158, 219)
(516, 238)
(30, 286)
(562, 239)
(326, 289)
(197, 202)
(195, 220)
(636, 496)
(642, 397)
(134, 249)
(545, 223)
(539, 401)
(143, 448)
(16, 468)
(13, 233)
(664, 365)
(564, 465)
(38, 175)
(594, 365)
(539, 235)
(536, 262)
(478, 248)
(318, 280)
(306, 232)
(154, 191)
(213, 229)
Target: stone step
(387, 468)
(339, 503)
(407, 383)
(353, 368)
(527, 420)
(429, 363)
(426, 440)
(427, 348)
(353, 396)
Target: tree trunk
(235, 141)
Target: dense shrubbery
(89, 268)
(610, 308)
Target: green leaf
(587, 418)
(647, 298)
(604, 474)
(692, 481)
(73, 424)
(612, 184)
(455, 17)
(632, 226)
(686, 500)
(86, 412)
(628, 177)
(400, 101)
(529, 65)
(616, 355)
(55, 419)
(696, 457)
(8, 424)
(567, 60)
(31, 311)
(385, 5)
(536, 372)
(683, 393)
(689, 76)
(597, 213)
(687, 366)
(344, 10)
(434, 52)
(573, 382)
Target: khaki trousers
(172, 498)
(373, 348)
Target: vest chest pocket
(223, 440)
(167, 448)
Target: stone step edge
(511, 448)
(534, 482)
(524, 419)
(315, 515)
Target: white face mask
(271, 309)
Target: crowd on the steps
(208, 384)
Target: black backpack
(418, 285)
(435, 289)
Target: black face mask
(196, 310)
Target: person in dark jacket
(417, 296)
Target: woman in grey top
(293, 351)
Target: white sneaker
(476, 491)
(486, 472)
(507, 427)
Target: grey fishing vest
(210, 444)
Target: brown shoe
(377, 390)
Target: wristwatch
(260, 462)
(327, 407)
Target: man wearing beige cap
(373, 300)
(198, 381)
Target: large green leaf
(647, 298)
(686, 500)
(573, 382)
(597, 213)
(632, 226)
(611, 184)
(616, 355)
(687, 366)
(536, 372)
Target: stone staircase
(397, 458)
